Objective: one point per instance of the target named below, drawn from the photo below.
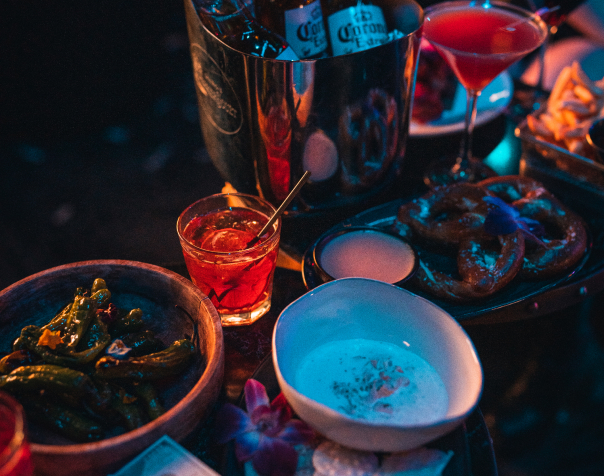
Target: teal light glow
(505, 157)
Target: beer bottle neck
(221, 7)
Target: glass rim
(18, 436)
(257, 246)
(588, 137)
(503, 6)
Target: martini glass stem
(465, 151)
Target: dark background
(100, 145)
(100, 150)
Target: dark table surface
(100, 150)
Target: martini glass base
(446, 171)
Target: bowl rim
(214, 365)
(328, 237)
(331, 413)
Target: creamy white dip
(367, 254)
(373, 380)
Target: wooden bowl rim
(215, 361)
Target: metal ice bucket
(344, 118)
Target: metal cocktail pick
(281, 209)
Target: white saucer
(493, 100)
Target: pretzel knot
(565, 238)
(453, 218)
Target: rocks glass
(15, 456)
(215, 233)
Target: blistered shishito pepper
(53, 379)
(82, 311)
(148, 394)
(131, 322)
(94, 340)
(99, 283)
(148, 367)
(62, 355)
(142, 343)
(30, 336)
(127, 407)
(105, 393)
(65, 420)
(59, 322)
(16, 359)
(20, 344)
(101, 297)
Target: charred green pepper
(101, 297)
(131, 322)
(94, 341)
(56, 380)
(16, 359)
(148, 367)
(98, 284)
(80, 315)
(19, 344)
(127, 408)
(65, 420)
(59, 322)
(148, 394)
(63, 355)
(142, 343)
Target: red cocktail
(214, 233)
(478, 41)
(15, 456)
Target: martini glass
(478, 41)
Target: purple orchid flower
(504, 218)
(265, 434)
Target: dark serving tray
(519, 299)
(470, 442)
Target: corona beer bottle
(232, 22)
(354, 25)
(300, 22)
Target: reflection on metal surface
(345, 118)
(368, 139)
(275, 125)
(320, 156)
(220, 104)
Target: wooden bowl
(157, 291)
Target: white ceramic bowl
(354, 308)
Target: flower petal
(499, 222)
(504, 218)
(296, 432)
(255, 395)
(501, 218)
(280, 403)
(247, 444)
(266, 421)
(529, 235)
(534, 226)
(499, 203)
(230, 422)
(275, 458)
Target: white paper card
(165, 457)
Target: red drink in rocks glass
(214, 233)
(15, 456)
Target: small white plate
(493, 100)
